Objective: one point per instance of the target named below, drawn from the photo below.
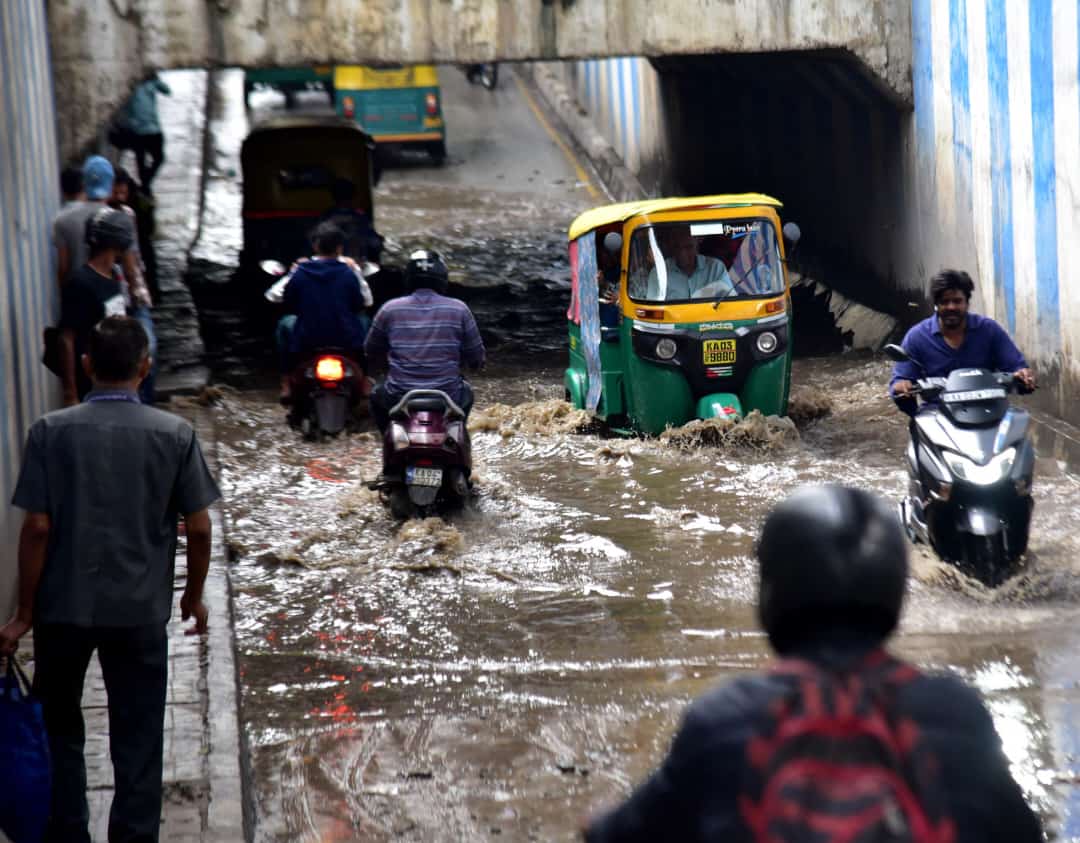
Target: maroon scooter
(427, 455)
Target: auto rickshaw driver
(685, 273)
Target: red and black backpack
(838, 765)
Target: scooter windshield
(705, 261)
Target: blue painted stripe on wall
(961, 103)
(635, 104)
(923, 79)
(997, 49)
(9, 244)
(1048, 320)
(624, 72)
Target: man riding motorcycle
(833, 570)
(954, 339)
(425, 337)
(324, 303)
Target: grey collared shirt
(113, 476)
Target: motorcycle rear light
(399, 436)
(431, 103)
(348, 107)
(329, 369)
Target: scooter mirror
(792, 233)
(613, 242)
(272, 267)
(896, 353)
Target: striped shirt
(426, 337)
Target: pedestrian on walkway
(140, 128)
(838, 739)
(71, 186)
(103, 485)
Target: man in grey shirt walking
(103, 484)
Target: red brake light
(348, 106)
(329, 369)
(432, 103)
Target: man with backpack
(836, 740)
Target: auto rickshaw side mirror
(792, 236)
(613, 242)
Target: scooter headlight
(981, 475)
(767, 342)
(666, 348)
(399, 436)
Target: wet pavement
(500, 674)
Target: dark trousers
(382, 401)
(134, 663)
(149, 154)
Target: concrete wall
(29, 189)
(997, 143)
(102, 46)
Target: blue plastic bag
(25, 775)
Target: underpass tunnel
(816, 132)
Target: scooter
(486, 73)
(324, 390)
(427, 455)
(326, 384)
(970, 466)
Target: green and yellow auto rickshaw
(680, 310)
(290, 166)
(397, 106)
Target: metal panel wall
(29, 193)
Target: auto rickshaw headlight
(767, 342)
(666, 348)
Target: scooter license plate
(415, 476)
(716, 352)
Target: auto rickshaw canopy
(290, 163)
(622, 211)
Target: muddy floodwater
(502, 673)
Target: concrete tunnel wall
(29, 191)
(983, 174)
(102, 47)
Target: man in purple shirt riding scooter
(425, 338)
(954, 339)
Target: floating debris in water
(551, 416)
(758, 432)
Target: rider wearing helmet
(833, 569)
(90, 294)
(425, 337)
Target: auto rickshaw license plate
(717, 352)
(423, 476)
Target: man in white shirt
(685, 274)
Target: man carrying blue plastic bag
(103, 484)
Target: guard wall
(29, 187)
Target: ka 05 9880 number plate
(717, 352)
(415, 476)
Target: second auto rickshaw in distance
(680, 310)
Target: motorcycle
(486, 74)
(427, 455)
(327, 383)
(970, 465)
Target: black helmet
(109, 229)
(426, 269)
(830, 557)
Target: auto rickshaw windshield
(704, 260)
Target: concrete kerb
(618, 180)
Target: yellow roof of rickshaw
(624, 210)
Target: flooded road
(501, 674)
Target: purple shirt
(426, 338)
(986, 345)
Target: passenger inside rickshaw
(608, 258)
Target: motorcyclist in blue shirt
(953, 338)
